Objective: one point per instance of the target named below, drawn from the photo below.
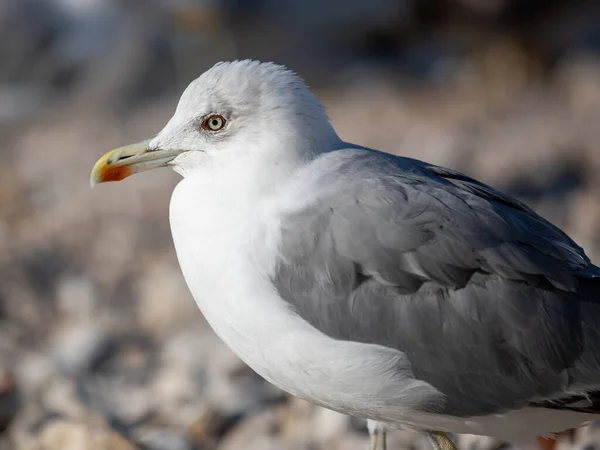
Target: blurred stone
(234, 388)
(301, 420)
(18, 103)
(77, 346)
(353, 442)
(59, 395)
(34, 369)
(258, 432)
(328, 425)
(155, 438)
(474, 442)
(165, 302)
(207, 429)
(10, 401)
(179, 386)
(585, 226)
(586, 438)
(408, 439)
(118, 398)
(578, 79)
(177, 397)
(75, 298)
(486, 7)
(295, 419)
(67, 435)
(259, 442)
(113, 249)
(117, 384)
(395, 440)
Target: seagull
(378, 286)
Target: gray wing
(494, 306)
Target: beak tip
(95, 177)
(118, 164)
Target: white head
(237, 114)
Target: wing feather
(483, 295)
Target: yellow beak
(122, 162)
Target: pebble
(77, 347)
(69, 435)
(162, 438)
(259, 432)
(10, 400)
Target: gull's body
(228, 249)
(377, 286)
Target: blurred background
(101, 345)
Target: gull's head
(242, 114)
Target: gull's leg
(377, 434)
(440, 441)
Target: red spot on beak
(110, 173)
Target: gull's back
(492, 305)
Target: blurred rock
(258, 432)
(118, 384)
(76, 299)
(234, 388)
(207, 428)
(59, 396)
(587, 438)
(473, 442)
(77, 347)
(10, 401)
(165, 302)
(395, 440)
(67, 435)
(155, 438)
(179, 386)
(328, 425)
(301, 420)
(34, 369)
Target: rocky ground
(101, 345)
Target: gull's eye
(213, 122)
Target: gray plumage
(491, 304)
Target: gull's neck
(247, 173)
(224, 228)
(245, 179)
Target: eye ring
(213, 122)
